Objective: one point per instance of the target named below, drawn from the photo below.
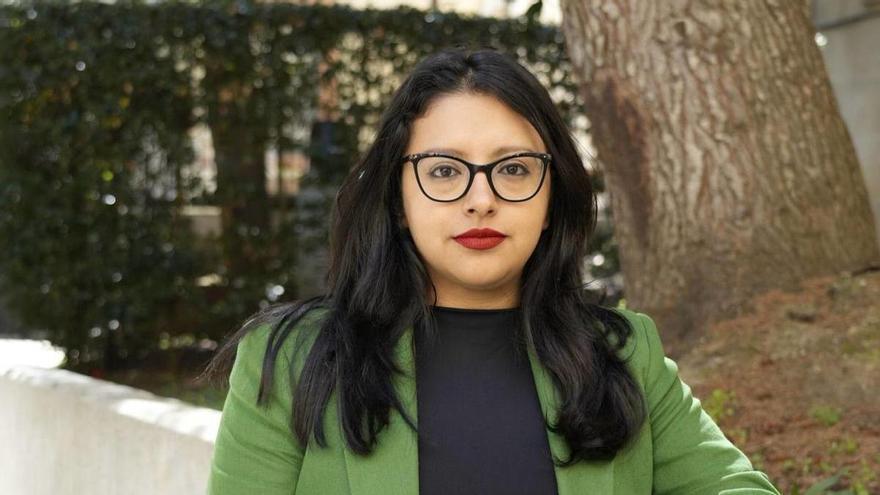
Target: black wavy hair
(377, 282)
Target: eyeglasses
(446, 178)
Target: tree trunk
(730, 169)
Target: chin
(478, 283)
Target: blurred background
(168, 168)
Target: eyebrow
(498, 151)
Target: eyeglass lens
(514, 179)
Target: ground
(794, 383)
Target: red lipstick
(480, 238)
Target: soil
(795, 384)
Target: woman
(456, 257)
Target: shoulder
(282, 332)
(291, 340)
(281, 328)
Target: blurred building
(502, 9)
(848, 32)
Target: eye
(446, 171)
(510, 168)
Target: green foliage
(823, 487)
(720, 404)
(88, 144)
(846, 445)
(825, 414)
(97, 102)
(856, 484)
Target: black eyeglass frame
(473, 169)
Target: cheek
(531, 226)
(412, 204)
(422, 217)
(530, 232)
(426, 226)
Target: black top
(480, 425)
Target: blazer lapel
(583, 477)
(392, 468)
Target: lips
(480, 238)
(487, 232)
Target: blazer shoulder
(292, 349)
(255, 449)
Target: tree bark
(729, 167)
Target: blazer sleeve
(255, 451)
(691, 454)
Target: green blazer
(680, 450)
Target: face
(466, 277)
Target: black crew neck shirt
(481, 430)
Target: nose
(480, 198)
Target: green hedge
(97, 102)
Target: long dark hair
(377, 282)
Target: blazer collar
(392, 468)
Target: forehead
(472, 126)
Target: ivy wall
(96, 159)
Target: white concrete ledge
(64, 433)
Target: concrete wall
(63, 433)
(849, 38)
